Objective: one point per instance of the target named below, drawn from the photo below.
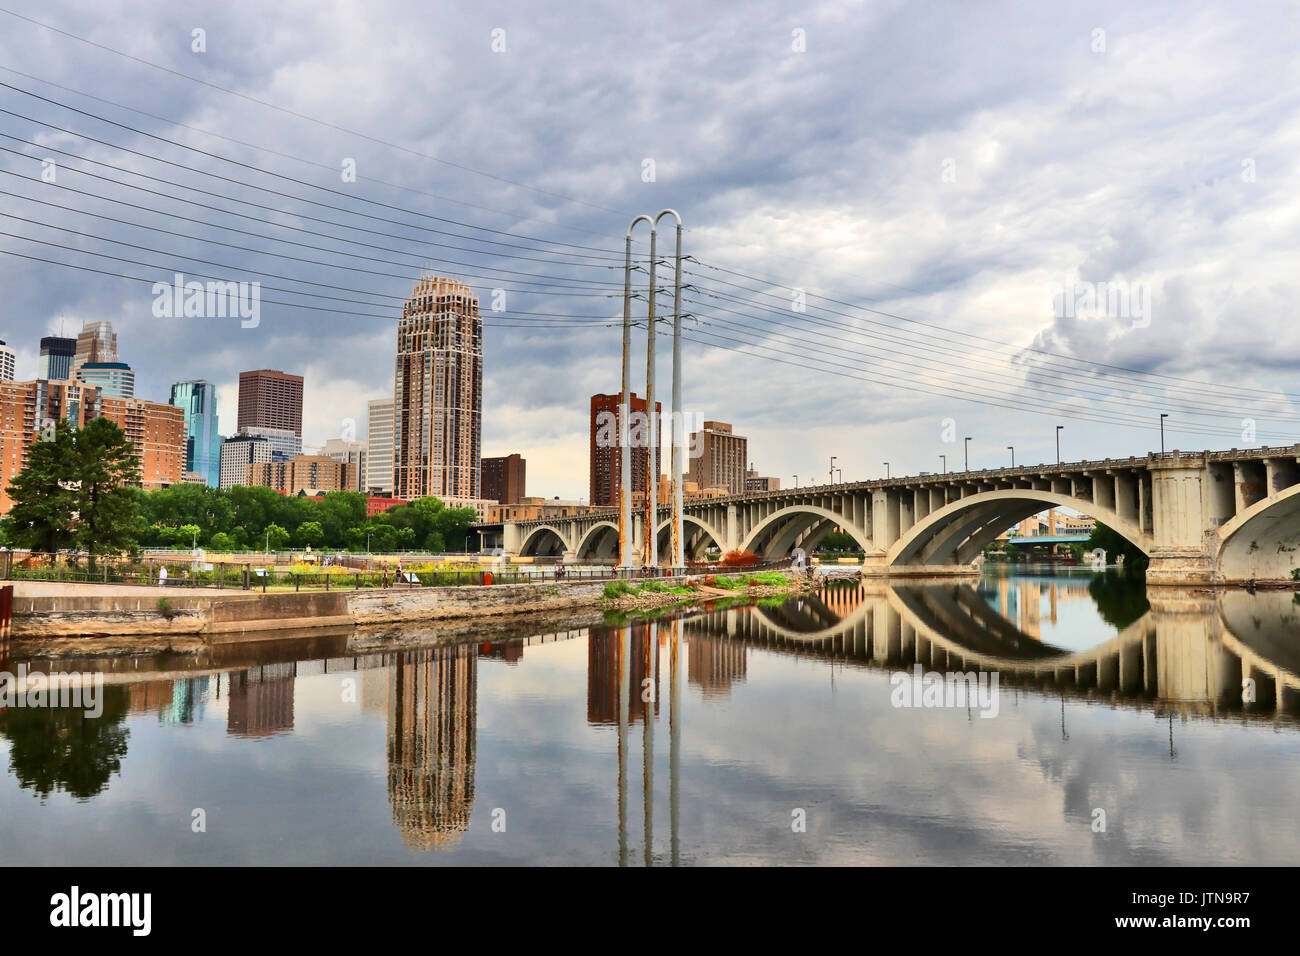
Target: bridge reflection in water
(1190, 652)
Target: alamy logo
(1114, 300)
(690, 423)
(950, 689)
(73, 909)
(210, 300)
(53, 690)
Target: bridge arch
(776, 534)
(1262, 542)
(543, 541)
(663, 537)
(958, 532)
(599, 541)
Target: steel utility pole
(625, 410)
(649, 529)
(677, 557)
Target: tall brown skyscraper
(270, 399)
(503, 479)
(438, 392)
(718, 458)
(607, 458)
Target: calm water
(735, 725)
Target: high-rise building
(156, 431)
(379, 447)
(607, 456)
(352, 453)
(438, 392)
(25, 408)
(237, 453)
(198, 400)
(157, 435)
(111, 378)
(96, 342)
(284, 443)
(503, 479)
(270, 399)
(305, 472)
(8, 362)
(718, 458)
(56, 357)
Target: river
(789, 731)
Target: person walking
(162, 576)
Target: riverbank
(651, 594)
(184, 617)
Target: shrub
(618, 589)
(773, 579)
(739, 558)
(165, 608)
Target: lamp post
(966, 449)
(1058, 444)
(886, 471)
(1163, 416)
(832, 478)
(1012, 449)
(944, 459)
(796, 481)
(467, 537)
(840, 472)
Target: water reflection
(1091, 637)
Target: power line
(303, 116)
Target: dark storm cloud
(822, 170)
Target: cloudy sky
(909, 223)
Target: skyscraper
(270, 399)
(237, 453)
(379, 446)
(503, 479)
(114, 379)
(8, 362)
(352, 453)
(96, 342)
(198, 399)
(718, 458)
(56, 358)
(438, 392)
(607, 456)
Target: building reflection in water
(260, 700)
(432, 727)
(180, 701)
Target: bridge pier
(1180, 508)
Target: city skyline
(860, 217)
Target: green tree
(189, 534)
(274, 536)
(221, 542)
(106, 466)
(44, 512)
(1115, 544)
(311, 534)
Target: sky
(906, 224)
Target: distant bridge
(1046, 538)
(1205, 517)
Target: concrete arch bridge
(1203, 518)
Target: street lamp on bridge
(796, 481)
(944, 459)
(966, 449)
(886, 471)
(832, 469)
(1012, 449)
(1058, 444)
(1163, 416)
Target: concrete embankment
(223, 616)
